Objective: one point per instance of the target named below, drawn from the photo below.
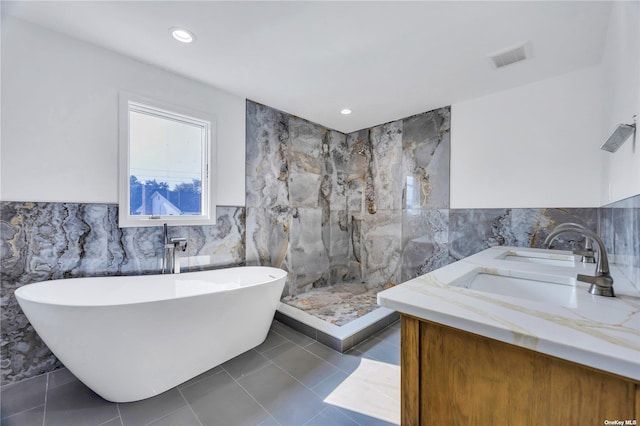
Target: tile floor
(290, 379)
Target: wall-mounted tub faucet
(588, 255)
(171, 259)
(601, 283)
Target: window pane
(165, 165)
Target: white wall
(621, 100)
(532, 146)
(60, 117)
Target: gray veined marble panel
(530, 227)
(425, 163)
(381, 248)
(305, 159)
(626, 240)
(219, 245)
(267, 149)
(337, 161)
(473, 230)
(309, 250)
(620, 228)
(605, 228)
(339, 246)
(356, 170)
(383, 182)
(268, 236)
(425, 241)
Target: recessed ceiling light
(345, 111)
(182, 35)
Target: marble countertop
(600, 332)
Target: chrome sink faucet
(171, 259)
(588, 255)
(601, 282)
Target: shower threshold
(343, 331)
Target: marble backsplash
(620, 229)
(45, 241)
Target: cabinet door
(466, 379)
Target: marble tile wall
(300, 179)
(332, 205)
(45, 241)
(620, 228)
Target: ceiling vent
(510, 55)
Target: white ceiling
(383, 60)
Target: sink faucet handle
(601, 285)
(588, 256)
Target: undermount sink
(557, 290)
(540, 258)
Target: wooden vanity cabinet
(453, 377)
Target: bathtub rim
(27, 288)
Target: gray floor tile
(346, 362)
(379, 350)
(390, 335)
(31, 417)
(273, 339)
(219, 400)
(363, 419)
(307, 368)
(24, 395)
(214, 370)
(245, 363)
(182, 417)
(292, 335)
(325, 388)
(60, 377)
(113, 422)
(269, 422)
(331, 416)
(140, 413)
(289, 402)
(75, 404)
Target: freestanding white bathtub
(131, 338)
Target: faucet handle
(588, 256)
(601, 285)
(179, 242)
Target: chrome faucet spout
(177, 244)
(587, 253)
(601, 283)
(170, 258)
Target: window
(166, 153)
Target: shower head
(619, 136)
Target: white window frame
(162, 109)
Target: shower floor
(338, 304)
